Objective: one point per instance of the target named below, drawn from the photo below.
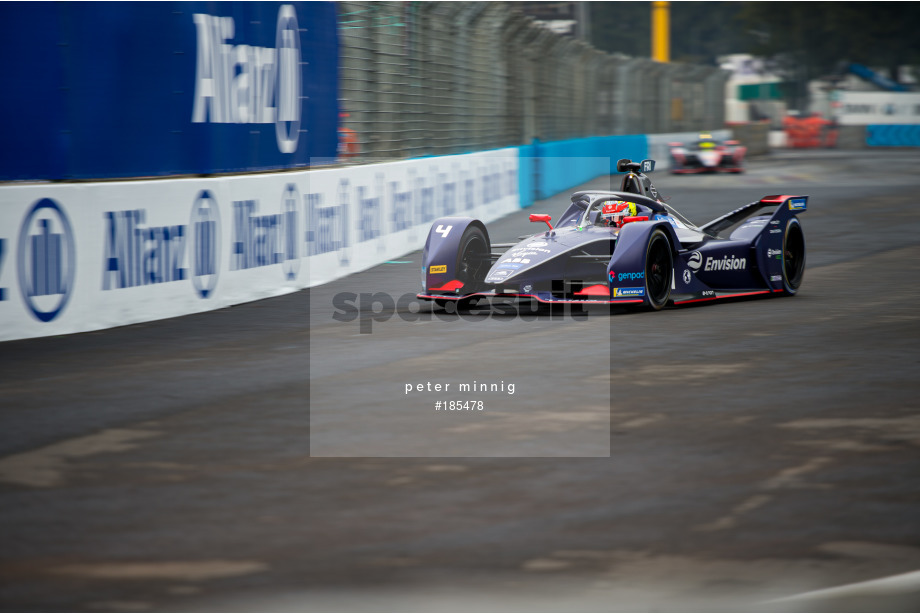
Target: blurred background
(396, 80)
(438, 78)
(179, 158)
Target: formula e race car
(707, 155)
(626, 247)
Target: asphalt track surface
(750, 451)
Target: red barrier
(814, 131)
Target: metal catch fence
(437, 78)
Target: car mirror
(542, 217)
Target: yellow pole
(661, 31)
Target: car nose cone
(710, 158)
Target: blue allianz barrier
(893, 135)
(549, 168)
(140, 89)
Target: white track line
(881, 586)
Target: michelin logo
(797, 204)
(46, 260)
(241, 84)
(628, 292)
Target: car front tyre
(659, 269)
(473, 259)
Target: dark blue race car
(626, 247)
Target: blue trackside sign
(138, 89)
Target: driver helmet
(613, 212)
(706, 141)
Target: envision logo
(245, 84)
(47, 260)
(726, 263)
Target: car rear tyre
(659, 268)
(793, 256)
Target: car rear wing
(797, 204)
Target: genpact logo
(242, 84)
(632, 276)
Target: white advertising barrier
(387, 209)
(82, 257)
(865, 108)
(660, 151)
